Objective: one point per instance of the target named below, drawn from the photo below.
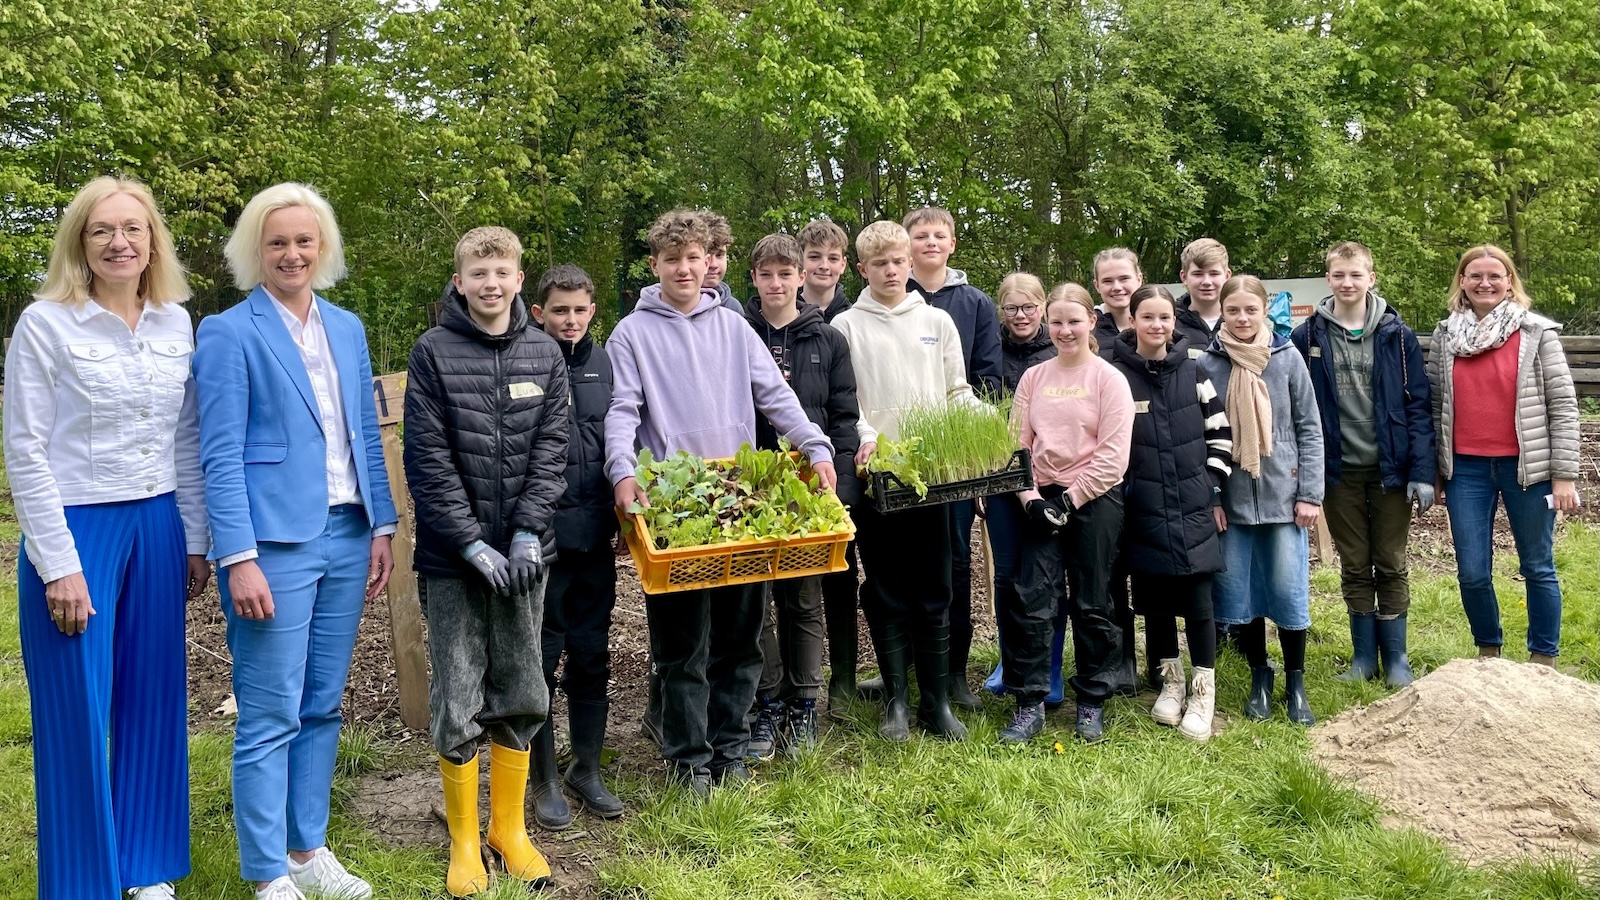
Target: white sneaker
(281, 888)
(1169, 704)
(1202, 703)
(325, 878)
(162, 891)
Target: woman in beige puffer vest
(1516, 441)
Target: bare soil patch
(1498, 759)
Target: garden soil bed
(1499, 759)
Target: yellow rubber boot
(467, 876)
(508, 829)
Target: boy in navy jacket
(1367, 369)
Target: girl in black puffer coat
(1180, 457)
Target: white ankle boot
(1169, 704)
(1202, 703)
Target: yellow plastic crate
(732, 562)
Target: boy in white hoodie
(905, 353)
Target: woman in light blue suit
(301, 517)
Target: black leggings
(1253, 641)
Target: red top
(1485, 385)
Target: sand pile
(1497, 758)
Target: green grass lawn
(1145, 814)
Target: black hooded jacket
(1181, 451)
(815, 360)
(585, 519)
(841, 302)
(485, 436)
(1193, 327)
(1019, 358)
(1105, 334)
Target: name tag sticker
(1196, 352)
(521, 390)
(1141, 406)
(1316, 352)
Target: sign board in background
(1306, 293)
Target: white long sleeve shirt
(903, 357)
(96, 413)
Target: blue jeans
(288, 679)
(1470, 496)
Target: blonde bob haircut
(68, 278)
(1458, 291)
(1071, 292)
(244, 247)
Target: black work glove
(490, 564)
(1049, 516)
(526, 563)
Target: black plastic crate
(890, 494)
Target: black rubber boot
(894, 655)
(959, 691)
(932, 646)
(870, 688)
(650, 723)
(550, 809)
(1364, 648)
(1392, 642)
(1258, 705)
(587, 720)
(1294, 698)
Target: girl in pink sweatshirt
(1075, 414)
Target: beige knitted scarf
(1249, 404)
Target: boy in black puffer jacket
(485, 454)
(583, 581)
(815, 361)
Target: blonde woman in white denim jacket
(102, 451)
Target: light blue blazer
(261, 442)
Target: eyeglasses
(1476, 278)
(1014, 311)
(101, 235)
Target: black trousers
(839, 604)
(791, 639)
(1163, 598)
(962, 515)
(1079, 558)
(906, 555)
(707, 651)
(577, 622)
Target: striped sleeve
(1219, 434)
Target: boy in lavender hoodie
(689, 375)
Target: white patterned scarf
(1470, 335)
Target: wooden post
(405, 608)
(1322, 540)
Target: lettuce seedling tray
(890, 494)
(731, 562)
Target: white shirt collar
(291, 320)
